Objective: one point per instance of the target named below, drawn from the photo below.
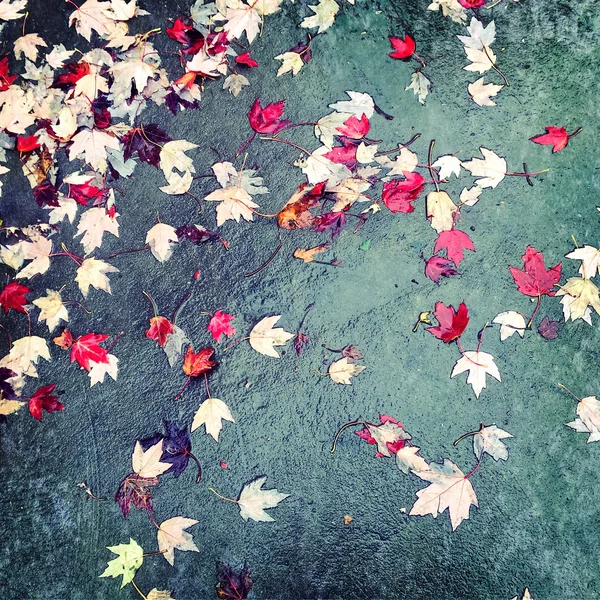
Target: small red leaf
(556, 137)
(244, 59)
(548, 329)
(44, 400)
(6, 80)
(471, 3)
(64, 340)
(403, 48)
(267, 119)
(454, 242)
(355, 128)
(197, 363)
(160, 328)
(535, 279)
(219, 325)
(13, 296)
(451, 323)
(27, 144)
(438, 266)
(86, 349)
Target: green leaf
(130, 558)
(365, 245)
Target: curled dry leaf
(308, 255)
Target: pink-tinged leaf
(454, 242)
(451, 323)
(333, 221)
(438, 266)
(556, 137)
(160, 328)
(219, 325)
(392, 447)
(398, 194)
(471, 3)
(267, 119)
(535, 279)
(300, 342)
(355, 128)
(548, 329)
(244, 59)
(343, 155)
(403, 47)
(86, 349)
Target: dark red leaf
(451, 323)
(13, 296)
(196, 234)
(300, 342)
(43, 399)
(352, 353)
(548, 329)
(135, 490)
(233, 584)
(6, 388)
(45, 194)
(147, 141)
(82, 192)
(535, 279)
(267, 119)
(333, 221)
(75, 72)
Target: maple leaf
(156, 594)
(420, 85)
(535, 279)
(477, 363)
(590, 260)
(147, 141)
(160, 328)
(470, 196)
(296, 212)
(440, 211)
(93, 144)
(481, 92)
(172, 156)
(582, 294)
(64, 340)
(300, 342)
(45, 194)
(27, 144)
(38, 250)
(355, 128)
(407, 459)
(245, 59)
(236, 203)
(448, 489)
(389, 436)
(9, 9)
(437, 267)
(43, 399)
(99, 370)
(324, 16)
(556, 137)
(24, 355)
(13, 296)
(219, 325)
(177, 448)
(8, 407)
(135, 490)
(479, 36)
(210, 414)
(92, 272)
(398, 194)
(454, 242)
(171, 534)
(588, 418)
(342, 370)
(548, 329)
(196, 234)
(233, 584)
(291, 62)
(243, 19)
(403, 47)
(487, 441)
(147, 463)
(253, 500)
(197, 363)
(161, 238)
(447, 165)
(6, 80)
(235, 82)
(491, 169)
(510, 322)
(129, 559)
(449, 8)
(92, 225)
(86, 348)
(452, 323)
(267, 119)
(333, 221)
(264, 336)
(28, 45)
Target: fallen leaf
(197, 363)
(146, 463)
(451, 322)
(161, 238)
(264, 336)
(233, 584)
(219, 325)
(588, 418)
(407, 459)
(535, 279)
(477, 363)
(308, 254)
(171, 535)
(491, 169)
(129, 556)
(510, 322)
(342, 370)
(211, 414)
(253, 500)
(487, 441)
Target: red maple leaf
(75, 72)
(179, 31)
(451, 323)
(43, 399)
(27, 144)
(82, 192)
(267, 119)
(219, 325)
(343, 155)
(471, 3)
(556, 137)
(393, 447)
(244, 59)
(5, 79)
(160, 328)
(535, 279)
(197, 363)
(403, 48)
(332, 221)
(454, 242)
(355, 128)
(438, 266)
(398, 194)
(86, 349)
(45, 194)
(13, 296)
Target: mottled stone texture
(538, 521)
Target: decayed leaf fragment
(342, 370)
(448, 489)
(308, 254)
(264, 336)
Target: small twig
(266, 263)
(341, 429)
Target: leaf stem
(341, 429)
(535, 310)
(181, 305)
(183, 388)
(235, 343)
(222, 497)
(137, 589)
(496, 68)
(560, 385)
(266, 263)
(195, 459)
(466, 435)
(154, 307)
(468, 475)
(246, 144)
(431, 173)
(400, 146)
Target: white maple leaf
(171, 535)
(24, 355)
(440, 211)
(580, 294)
(470, 196)
(90, 85)
(98, 371)
(491, 169)
(324, 16)
(360, 103)
(161, 238)
(387, 433)
(52, 309)
(253, 501)
(264, 336)
(291, 62)
(481, 92)
(407, 460)
(590, 260)
(65, 123)
(240, 20)
(211, 414)
(479, 36)
(405, 161)
(38, 250)
(510, 322)
(451, 9)
(28, 45)
(12, 256)
(16, 114)
(487, 440)
(178, 184)
(90, 16)
(206, 65)
(58, 56)
(235, 204)
(342, 370)
(146, 463)
(447, 165)
(172, 156)
(92, 272)
(92, 225)
(481, 60)
(349, 191)
(317, 168)
(93, 144)
(67, 208)
(121, 10)
(135, 68)
(566, 302)
(588, 418)
(234, 83)
(477, 363)
(420, 85)
(9, 9)
(326, 127)
(448, 489)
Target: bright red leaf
(43, 399)
(82, 192)
(454, 242)
(471, 3)
(267, 119)
(403, 48)
(398, 194)
(179, 31)
(27, 144)
(86, 349)
(535, 279)
(197, 363)
(343, 155)
(13, 296)
(355, 128)
(219, 325)
(451, 323)
(438, 266)
(6, 80)
(244, 59)
(160, 328)
(556, 137)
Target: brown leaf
(296, 213)
(308, 254)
